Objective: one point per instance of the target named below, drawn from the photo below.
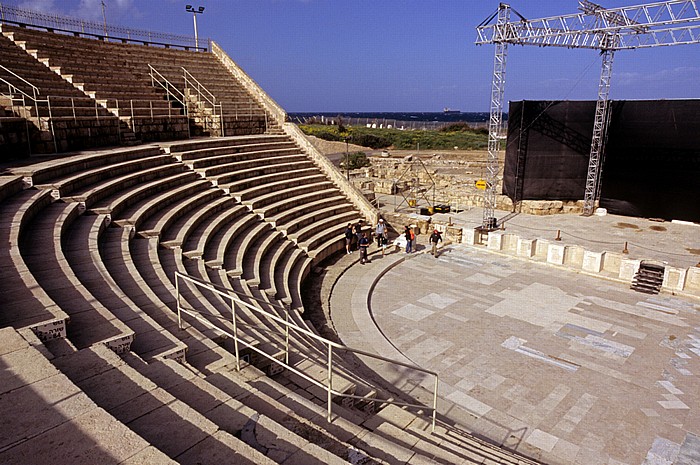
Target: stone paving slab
(564, 367)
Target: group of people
(433, 239)
(355, 237)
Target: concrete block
(541, 248)
(470, 236)
(527, 247)
(674, 278)
(628, 268)
(574, 256)
(495, 240)
(556, 254)
(692, 280)
(612, 262)
(510, 243)
(593, 261)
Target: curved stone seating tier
(241, 244)
(228, 227)
(202, 158)
(291, 221)
(42, 248)
(83, 254)
(209, 229)
(286, 204)
(137, 214)
(162, 220)
(169, 424)
(56, 168)
(280, 444)
(257, 263)
(145, 286)
(26, 303)
(179, 232)
(123, 200)
(71, 427)
(198, 148)
(75, 184)
(111, 187)
(271, 198)
(230, 163)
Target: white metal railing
(288, 326)
(19, 97)
(100, 30)
(171, 91)
(206, 97)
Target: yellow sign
(480, 184)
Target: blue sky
(392, 55)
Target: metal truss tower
(675, 22)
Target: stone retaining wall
(606, 264)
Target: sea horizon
(377, 117)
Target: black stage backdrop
(651, 166)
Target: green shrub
(370, 140)
(356, 160)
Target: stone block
(593, 261)
(692, 280)
(574, 256)
(674, 278)
(541, 248)
(510, 243)
(495, 240)
(627, 269)
(527, 247)
(556, 254)
(470, 236)
(612, 262)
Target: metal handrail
(289, 325)
(35, 89)
(157, 77)
(204, 93)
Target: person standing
(409, 241)
(357, 229)
(364, 244)
(348, 238)
(380, 232)
(434, 238)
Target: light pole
(194, 12)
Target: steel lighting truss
(657, 24)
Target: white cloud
(43, 6)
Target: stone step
(233, 416)
(167, 423)
(48, 419)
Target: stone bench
(83, 253)
(124, 199)
(40, 173)
(27, 303)
(44, 247)
(229, 163)
(284, 204)
(64, 422)
(274, 197)
(233, 416)
(228, 227)
(149, 410)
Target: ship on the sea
(450, 111)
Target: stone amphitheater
(153, 286)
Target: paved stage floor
(567, 368)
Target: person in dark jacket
(364, 244)
(434, 238)
(348, 238)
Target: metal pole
(235, 335)
(435, 394)
(196, 35)
(177, 292)
(286, 339)
(330, 381)
(104, 18)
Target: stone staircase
(649, 278)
